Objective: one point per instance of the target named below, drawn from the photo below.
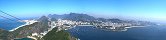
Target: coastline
(134, 26)
(84, 25)
(31, 37)
(27, 22)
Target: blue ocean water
(142, 33)
(8, 24)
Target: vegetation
(23, 31)
(53, 35)
(3, 34)
(37, 27)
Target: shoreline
(32, 37)
(134, 26)
(84, 25)
(27, 22)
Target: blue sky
(132, 9)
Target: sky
(154, 10)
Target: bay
(8, 24)
(142, 33)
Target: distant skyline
(140, 9)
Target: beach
(27, 22)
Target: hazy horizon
(149, 10)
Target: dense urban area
(54, 26)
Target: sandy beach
(32, 37)
(27, 22)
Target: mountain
(43, 19)
(79, 17)
(61, 35)
(73, 16)
(88, 18)
(110, 20)
(116, 20)
(54, 17)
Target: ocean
(8, 24)
(142, 33)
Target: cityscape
(82, 20)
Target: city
(82, 20)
